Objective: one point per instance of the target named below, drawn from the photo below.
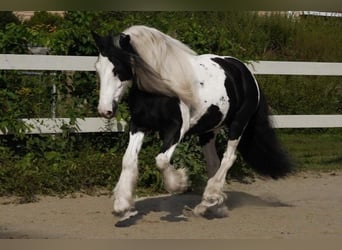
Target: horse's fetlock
(122, 205)
(176, 180)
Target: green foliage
(44, 18)
(302, 94)
(49, 164)
(37, 164)
(317, 39)
(43, 26)
(14, 39)
(189, 155)
(7, 17)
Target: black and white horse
(176, 92)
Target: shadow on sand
(174, 205)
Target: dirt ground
(304, 206)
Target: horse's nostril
(109, 114)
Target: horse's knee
(162, 161)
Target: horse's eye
(115, 71)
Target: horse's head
(114, 69)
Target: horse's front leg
(175, 180)
(124, 189)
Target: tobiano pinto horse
(176, 92)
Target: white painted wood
(322, 13)
(295, 68)
(306, 121)
(94, 124)
(86, 125)
(87, 63)
(47, 62)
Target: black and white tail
(260, 147)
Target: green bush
(7, 17)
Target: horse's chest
(153, 112)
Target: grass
(321, 151)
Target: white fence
(94, 124)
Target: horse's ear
(125, 43)
(124, 40)
(116, 40)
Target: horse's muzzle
(109, 113)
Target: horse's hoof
(210, 203)
(123, 215)
(121, 205)
(213, 198)
(127, 219)
(128, 215)
(211, 211)
(200, 210)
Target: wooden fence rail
(95, 124)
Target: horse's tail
(260, 147)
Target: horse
(176, 92)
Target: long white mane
(169, 70)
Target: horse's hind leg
(213, 195)
(207, 141)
